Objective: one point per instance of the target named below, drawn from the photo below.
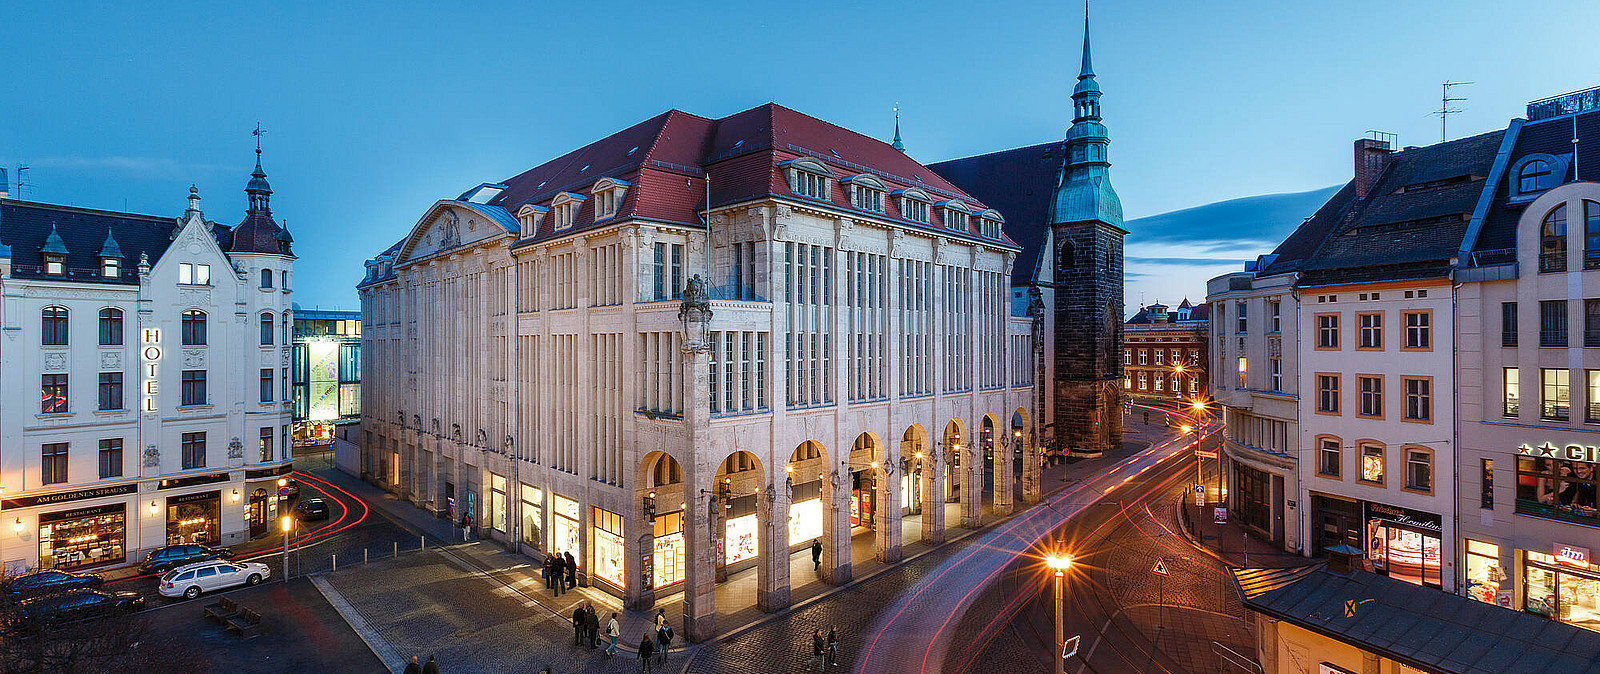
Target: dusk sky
(375, 112)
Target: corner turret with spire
(259, 233)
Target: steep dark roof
(1421, 627)
(1020, 184)
(1549, 136)
(1410, 223)
(259, 233)
(24, 227)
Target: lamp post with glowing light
(1059, 563)
(287, 522)
(1199, 408)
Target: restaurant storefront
(83, 537)
(1404, 544)
(195, 518)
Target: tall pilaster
(700, 516)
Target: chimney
(1372, 154)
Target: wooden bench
(222, 611)
(247, 624)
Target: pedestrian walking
(591, 622)
(663, 641)
(412, 667)
(833, 646)
(647, 649)
(817, 646)
(545, 572)
(613, 632)
(571, 566)
(659, 620)
(816, 555)
(431, 667)
(557, 566)
(466, 526)
(578, 620)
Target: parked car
(311, 509)
(191, 580)
(172, 556)
(76, 605)
(47, 582)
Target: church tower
(1086, 232)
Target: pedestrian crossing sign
(1161, 567)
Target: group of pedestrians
(560, 572)
(653, 646)
(414, 668)
(824, 652)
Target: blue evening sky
(373, 112)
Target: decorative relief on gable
(844, 229)
(55, 362)
(110, 360)
(194, 296)
(286, 351)
(193, 358)
(943, 251)
(897, 239)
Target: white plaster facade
(148, 474)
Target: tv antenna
(21, 181)
(1445, 110)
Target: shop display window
(497, 503)
(608, 551)
(1557, 488)
(532, 516)
(668, 550)
(740, 543)
(565, 535)
(805, 521)
(1483, 571)
(83, 538)
(1403, 554)
(1569, 593)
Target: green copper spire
(897, 144)
(53, 243)
(1085, 193)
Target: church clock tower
(1086, 233)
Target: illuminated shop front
(326, 366)
(668, 551)
(805, 514)
(739, 532)
(1483, 573)
(83, 537)
(1404, 544)
(608, 547)
(532, 516)
(1564, 586)
(863, 497)
(194, 518)
(565, 533)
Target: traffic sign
(1161, 567)
(1200, 496)
(283, 492)
(1070, 648)
(1206, 453)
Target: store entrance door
(257, 513)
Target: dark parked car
(311, 509)
(165, 558)
(77, 605)
(47, 582)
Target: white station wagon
(190, 580)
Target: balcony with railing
(1553, 337)
(1512, 407)
(1554, 411)
(1552, 261)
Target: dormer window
(866, 192)
(110, 267)
(1535, 176)
(808, 177)
(989, 222)
(608, 195)
(913, 204)
(565, 206)
(955, 214)
(530, 216)
(55, 264)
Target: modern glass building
(326, 371)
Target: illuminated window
(1372, 463)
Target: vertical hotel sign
(150, 355)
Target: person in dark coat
(663, 641)
(647, 648)
(545, 572)
(572, 570)
(591, 622)
(412, 667)
(833, 646)
(430, 668)
(557, 566)
(579, 619)
(817, 647)
(816, 555)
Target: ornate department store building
(569, 357)
(160, 346)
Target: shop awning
(1421, 627)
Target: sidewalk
(1238, 545)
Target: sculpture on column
(695, 314)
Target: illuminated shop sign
(1573, 452)
(1571, 555)
(151, 354)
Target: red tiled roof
(665, 159)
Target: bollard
(397, 548)
(364, 558)
(424, 545)
(335, 562)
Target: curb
(380, 646)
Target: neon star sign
(1572, 452)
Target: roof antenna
(1575, 148)
(21, 182)
(1445, 110)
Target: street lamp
(1199, 408)
(1059, 564)
(287, 522)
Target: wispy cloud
(1186, 261)
(147, 166)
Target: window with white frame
(667, 271)
(808, 279)
(866, 340)
(866, 193)
(955, 215)
(808, 177)
(566, 207)
(529, 217)
(608, 194)
(993, 310)
(194, 274)
(916, 327)
(989, 225)
(957, 328)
